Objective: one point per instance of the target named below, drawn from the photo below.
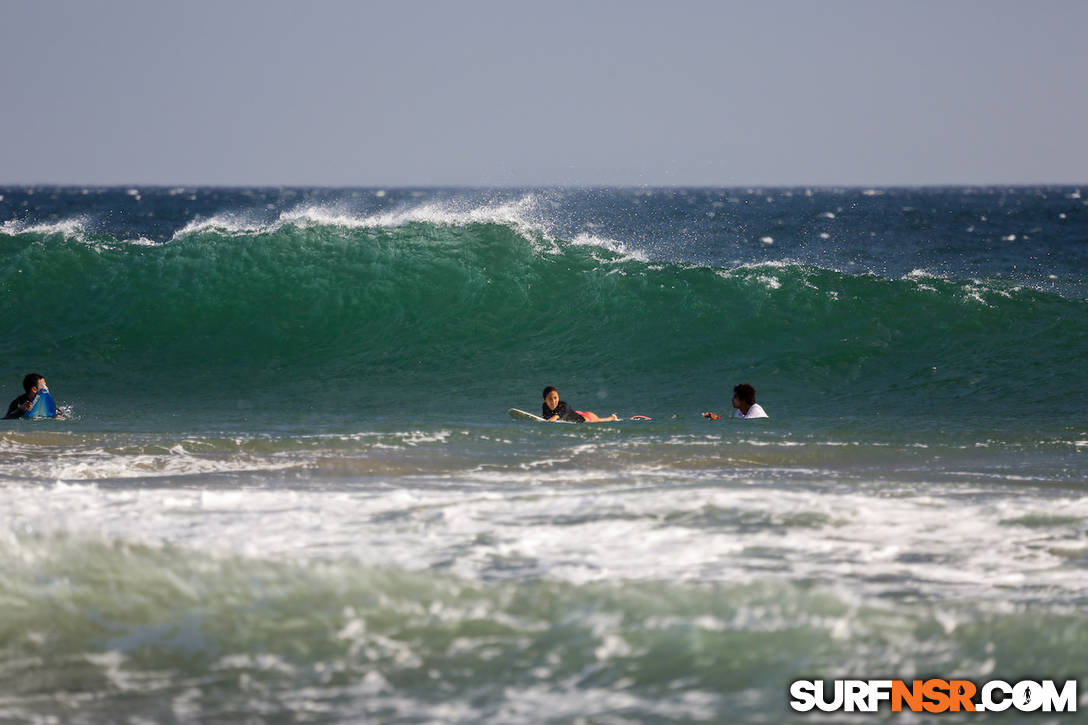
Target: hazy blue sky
(550, 92)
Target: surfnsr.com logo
(933, 696)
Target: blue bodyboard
(43, 406)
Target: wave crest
(520, 215)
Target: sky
(509, 93)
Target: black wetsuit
(17, 409)
(563, 411)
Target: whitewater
(286, 488)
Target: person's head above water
(551, 397)
(744, 397)
(31, 383)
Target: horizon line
(553, 186)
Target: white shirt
(756, 411)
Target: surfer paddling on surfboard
(556, 409)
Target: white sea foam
(623, 252)
(230, 224)
(142, 242)
(89, 465)
(919, 274)
(520, 215)
(74, 227)
(578, 524)
(768, 264)
(517, 214)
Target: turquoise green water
(473, 318)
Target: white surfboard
(522, 415)
(518, 414)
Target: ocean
(286, 488)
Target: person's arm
(19, 407)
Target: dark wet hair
(30, 380)
(547, 390)
(745, 393)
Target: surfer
(32, 383)
(556, 409)
(744, 400)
